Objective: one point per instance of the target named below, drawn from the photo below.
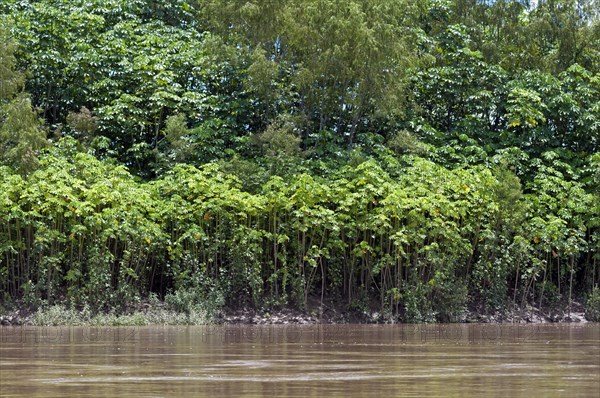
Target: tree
(346, 61)
(132, 66)
(566, 32)
(21, 132)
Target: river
(454, 360)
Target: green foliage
(592, 307)
(418, 156)
(132, 68)
(21, 133)
(280, 148)
(83, 124)
(61, 315)
(344, 61)
(87, 230)
(405, 142)
(197, 298)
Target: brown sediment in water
(449, 360)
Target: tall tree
(566, 32)
(346, 60)
(21, 133)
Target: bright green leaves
(87, 222)
(238, 115)
(420, 243)
(524, 108)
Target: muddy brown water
(543, 360)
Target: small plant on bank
(592, 307)
(198, 298)
(60, 315)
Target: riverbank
(160, 314)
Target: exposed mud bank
(328, 314)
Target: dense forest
(417, 157)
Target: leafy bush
(198, 298)
(592, 306)
(87, 231)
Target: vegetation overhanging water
(406, 160)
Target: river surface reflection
(457, 360)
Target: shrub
(592, 307)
